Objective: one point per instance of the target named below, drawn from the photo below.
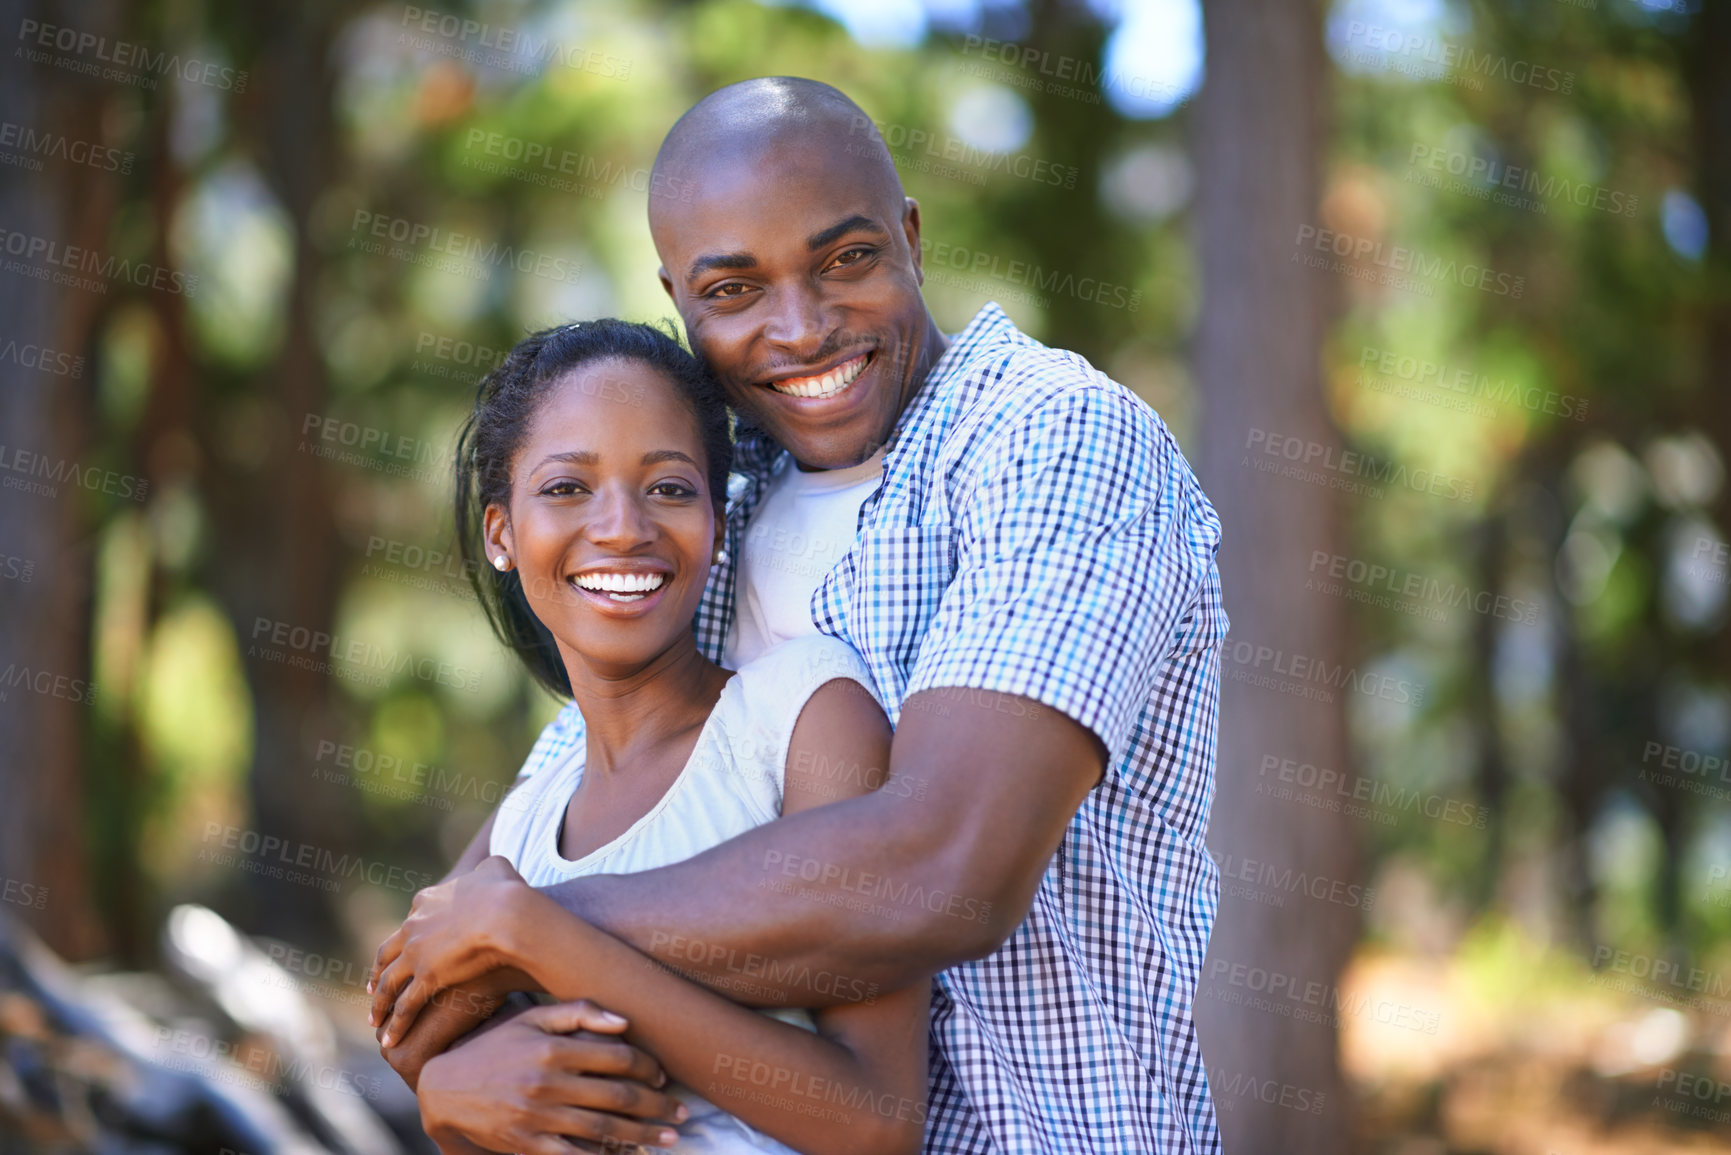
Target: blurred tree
(48, 419)
(1260, 134)
(276, 513)
(1708, 74)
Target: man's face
(796, 271)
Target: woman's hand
(457, 931)
(549, 1072)
(452, 1014)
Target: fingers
(599, 1055)
(563, 1018)
(591, 1027)
(611, 1131)
(387, 985)
(555, 1145)
(559, 1145)
(617, 1097)
(407, 1006)
(643, 1066)
(387, 954)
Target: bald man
(1017, 547)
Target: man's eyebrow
(713, 261)
(719, 261)
(835, 232)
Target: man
(1031, 580)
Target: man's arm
(936, 867)
(1082, 542)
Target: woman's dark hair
(505, 403)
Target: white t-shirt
(731, 783)
(804, 525)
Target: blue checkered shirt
(1038, 533)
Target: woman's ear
(496, 533)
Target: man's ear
(911, 229)
(496, 532)
(666, 282)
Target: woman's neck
(629, 715)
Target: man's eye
(729, 289)
(851, 257)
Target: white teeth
(827, 385)
(634, 585)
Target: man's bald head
(747, 122)
(793, 257)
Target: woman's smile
(623, 590)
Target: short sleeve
(776, 685)
(1082, 543)
(559, 737)
(773, 690)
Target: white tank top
(731, 783)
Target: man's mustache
(832, 347)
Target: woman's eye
(561, 489)
(673, 489)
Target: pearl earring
(501, 562)
(720, 555)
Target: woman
(594, 469)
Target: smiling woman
(592, 472)
(550, 407)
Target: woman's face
(611, 522)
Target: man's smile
(831, 382)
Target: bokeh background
(1435, 294)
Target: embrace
(874, 823)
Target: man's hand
(549, 1072)
(456, 931)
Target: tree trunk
(45, 535)
(1259, 147)
(1710, 100)
(275, 516)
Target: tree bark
(45, 420)
(1710, 105)
(275, 516)
(1259, 147)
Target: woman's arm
(535, 1082)
(547, 1075)
(857, 1086)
